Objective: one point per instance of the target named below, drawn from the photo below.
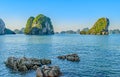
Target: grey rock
(70, 57)
(48, 71)
(25, 64)
(45, 61)
(39, 73)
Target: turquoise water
(100, 55)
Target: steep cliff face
(100, 27)
(41, 25)
(28, 27)
(2, 27)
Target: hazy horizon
(64, 14)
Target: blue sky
(64, 14)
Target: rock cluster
(70, 57)
(48, 71)
(24, 64)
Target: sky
(64, 14)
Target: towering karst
(40, 25)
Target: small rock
(45, 61)
(62, 57)
(70, 57)
(48, 71)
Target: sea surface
(99, 55)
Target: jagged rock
(2, 27)
(41, 25)
(70, 57)
(25, 64)
(48, 71)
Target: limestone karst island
(40, 25)
(99, 28)
(59, 38)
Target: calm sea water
(100, 55)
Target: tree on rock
(40, 25)
(29, 25)
(100, 27)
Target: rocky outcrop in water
(48, 71)
(2, 27)
(41, 25)
(24, 64)
(99, 28)
(70, 57)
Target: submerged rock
(48, 71)
(25, 64)
(70, 57)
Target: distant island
(40, 25)
(21, 31)
(99, 28)
(69, 32)
(4, 30)
(114, 31)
